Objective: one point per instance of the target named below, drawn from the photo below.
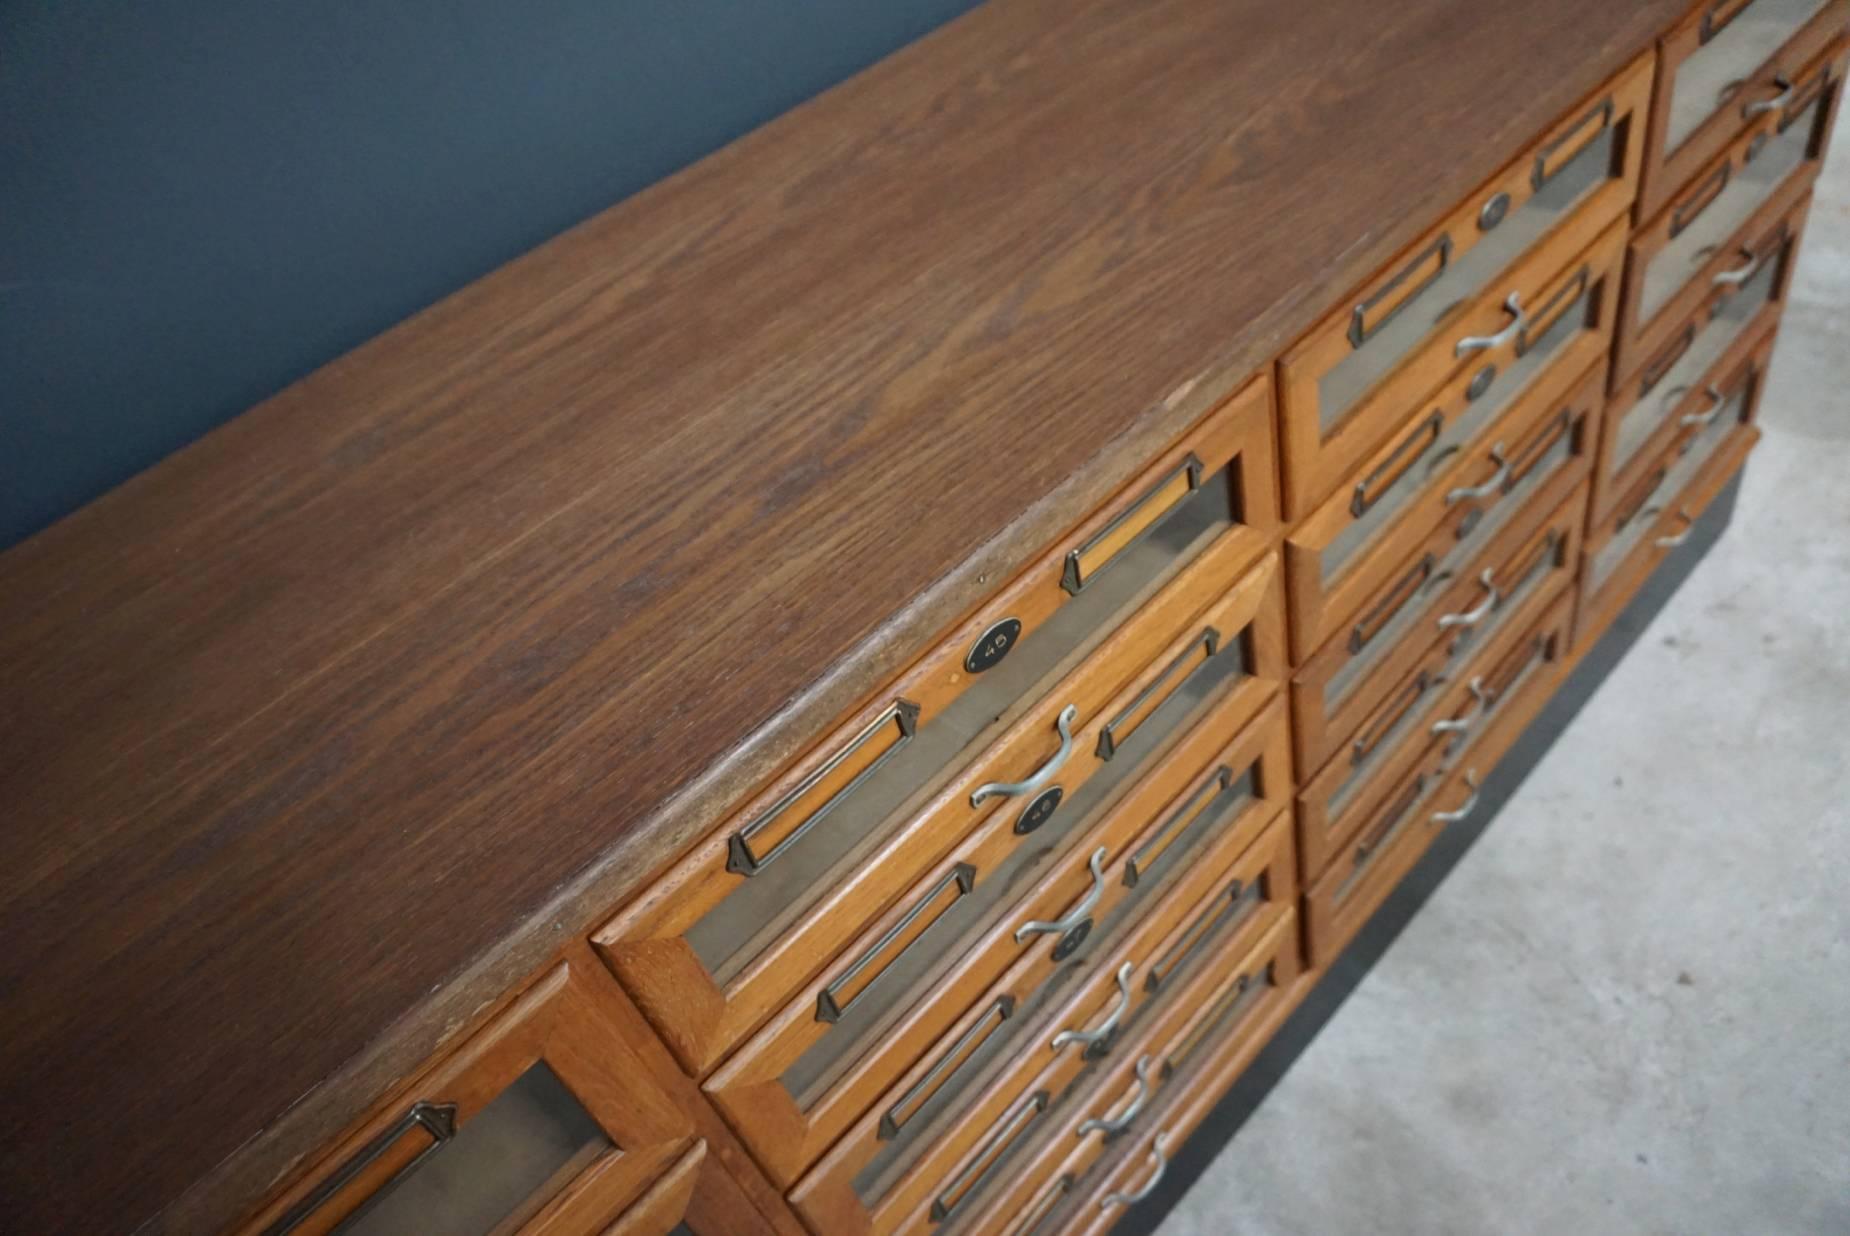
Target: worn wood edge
(291, 1141)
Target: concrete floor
(1628, 1009)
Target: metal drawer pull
(1117, 1124)
(1080, 913)
(1162, 1165)
(1459, 725)
(1484, 343)
(1750, 110)
(1110, 1024)
(438, 1122)
(1671, 542)
(1452, 817)
(1489, 487)
(1717, 401)
(1735, 278)
(1047, 771)
(1471, 618)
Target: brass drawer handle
(1459, 725)
(1114, 1125)
(1671, 542)
(1717, 401)
(1080, 913)
(1484, 343)
(1471, 618)
(1735, 278)
(1047, 772)
(1470, 804)
(1107, 1027)
(437, 1120)
(1750, 110)
(1496, 481)
(1156, 1177)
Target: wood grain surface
(319, 734)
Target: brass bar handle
(1484, 343)
(1081, 912)
(1735, 278)
(1717, 401)
(1470, 804)
(1471, 618)
(1496, 481)
(1114, 1125)
(1047, 772)
(1156, 1177)
(1671, 542)
(1107, 1027)
(1750, 110)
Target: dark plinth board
(1221, 1124)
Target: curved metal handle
(1080, 913)
(1735, 278)
(1671, 542)
(1472, 617)
(1717, 401)
(1115, 1125)
(1156, 1177)
(1089, 1037)
(1483, 343)
(1045, 773)
(1750, 110)
(1452, 817)
(1489, 487)
(1459, 725)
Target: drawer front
(695, 1197)
(546, 1120)
(733, 929)
(1233, 1009)
(1533, 458)
(1719, 70)
(954, 1148)
(1346, 387)
(1652, 517)
(1456, 604)
(1653, 407)
(1240, 1020)
(1348, 588)
(978, 941)
(1395, 755)
(1513, 679)
(1707, 230)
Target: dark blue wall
(202, 200)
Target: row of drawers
(945, 971)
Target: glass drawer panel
(1503, 392)
(526, 1145)
(1737, 39)
(902, 983)
(1747, 189)
(724, 938)
(1463, 280)
(1715, 336)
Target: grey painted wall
(201, 201)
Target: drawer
(1347, 578)
(1517, 679)
(1718, 71)
(1347, 386)
(1652, 517)
(1707, 230)
(953, 1148)
(694, 1197)
(1454, 592)
(1660, 399)
(545, 1121)
(1200, 1059)
(722, 940)
(1394, 757)
(1233, 1014)
(978, 941)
